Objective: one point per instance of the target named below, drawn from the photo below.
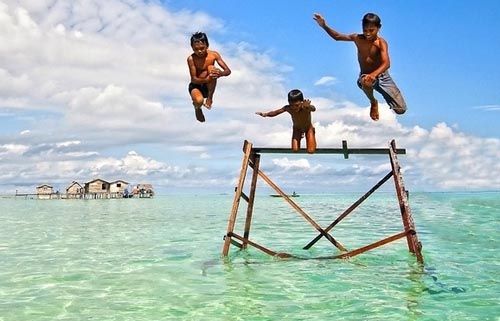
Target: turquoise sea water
(160, 259)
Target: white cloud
(326, 80)
(488, 107)
(8, 150)
(449, 159)
(285, 163)
(68, 143)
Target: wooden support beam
(254, 161)
(350, 209)
(301, 212)
(237, 244)
(244, 196)
(366, 248)
(260, 247)
(247, 148)
(414, 244)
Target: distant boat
(289, 195)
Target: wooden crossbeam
(301, 212)
(260, 247)
(344, 150)
(366, 248)
(349, 210)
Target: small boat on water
(289, 195)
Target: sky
(98, 89)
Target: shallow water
(160, 259)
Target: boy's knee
(399, 109)
(197, 102)
(210, 70)
(311, 148)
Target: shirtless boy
(300, 110)
(203, 73)
(374, 62)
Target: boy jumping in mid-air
(373, 58)
(300, 110)
(203, 73)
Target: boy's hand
(306, 104)
(319, 19)
(261, 114)
(215, 73)
(368, 81)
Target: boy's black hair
(295, 95)
(371, 19)
(199, 36)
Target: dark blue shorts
(201, 87)
(388, 89)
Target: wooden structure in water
(251, 158)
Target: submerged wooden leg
(247, 148)
(255, 159)
(414, 244)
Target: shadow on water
(426, 279)
(437, 287)
(241, 258)
(424, 282)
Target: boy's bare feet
(199, 114)
(374, 110)
(208, 103)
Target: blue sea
(160, 259)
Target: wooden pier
(251, 159)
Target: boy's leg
(296, 137)
(311, 140)
(199, 115)
(368, 90)
(391, 93)
(197, 98)
(211, 88)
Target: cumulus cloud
(9, 150)
(99, 89)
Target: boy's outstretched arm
(332, 33)
(271, 113)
